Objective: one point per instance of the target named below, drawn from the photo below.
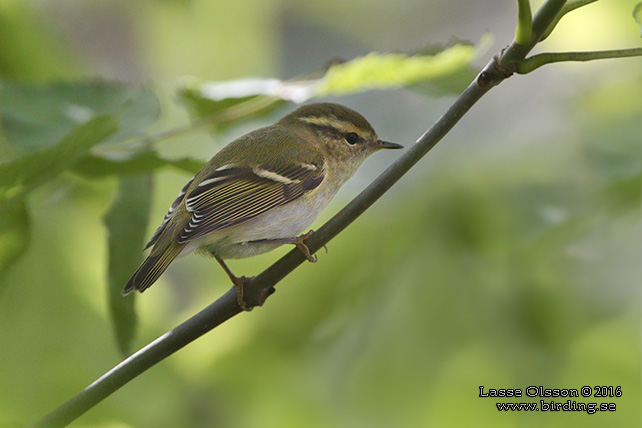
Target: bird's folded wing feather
(232, 195)
(169, 215)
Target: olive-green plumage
(263, 188)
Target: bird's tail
(152, 268)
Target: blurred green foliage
(508, 258)
(221, 104)
(37, 116)
(126, 221)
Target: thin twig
(515, 52)
(524, 29)
(536, 61)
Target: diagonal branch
(226, 306)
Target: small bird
(262, 190)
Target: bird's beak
(380, 144)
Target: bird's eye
(352, 138)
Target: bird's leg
(239, 283)
(297, 241)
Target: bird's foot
(297, 241)
(240, 282)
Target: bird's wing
(169, 215)
(233, 195)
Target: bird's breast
(285, 221)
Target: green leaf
(14, 233)
(26, 173)
(229, 106)
(39, 116)
(445, 71)
(637, 15)
(126, 222)
(396, 70)
(130, 163)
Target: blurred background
(508, 257)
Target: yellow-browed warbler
(262, 190)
